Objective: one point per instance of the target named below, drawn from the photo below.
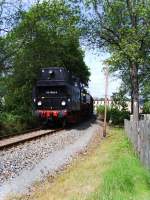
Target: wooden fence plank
(139, 135)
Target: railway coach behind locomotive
(59, 97)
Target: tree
(122, 28)
(119, 100)
(47, 36)
(146, 97)
(10, 12)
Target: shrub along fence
(140, 137)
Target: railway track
(9, 141)
(2, 137)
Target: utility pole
(106, 100)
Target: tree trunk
(131, 94)
(134, 66)
(132, 101)
(135, 84)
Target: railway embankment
(32, 161)
(109, 170)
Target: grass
(108, 171)
(126, 178)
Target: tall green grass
(126, 178)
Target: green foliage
(101, 110)
(122, 28)
(146, 96)
(146, 108)
(118, 32)
(11, 123)
(49, 36)
(10, 12)
(119, 100)
(46, 36)
(2, 93)
(115, 115)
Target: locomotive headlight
(63, 103)
(39, 103)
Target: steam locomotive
(60, 97)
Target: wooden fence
(140, 137)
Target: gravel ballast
(26, 163)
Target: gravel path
(21, 166)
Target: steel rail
(8, 142)
(2, 137)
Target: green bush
(101, 110)
(10, 123)
(117, 116)
(146, 108)
(114, 114)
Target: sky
(97, 79)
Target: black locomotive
(59, 97)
